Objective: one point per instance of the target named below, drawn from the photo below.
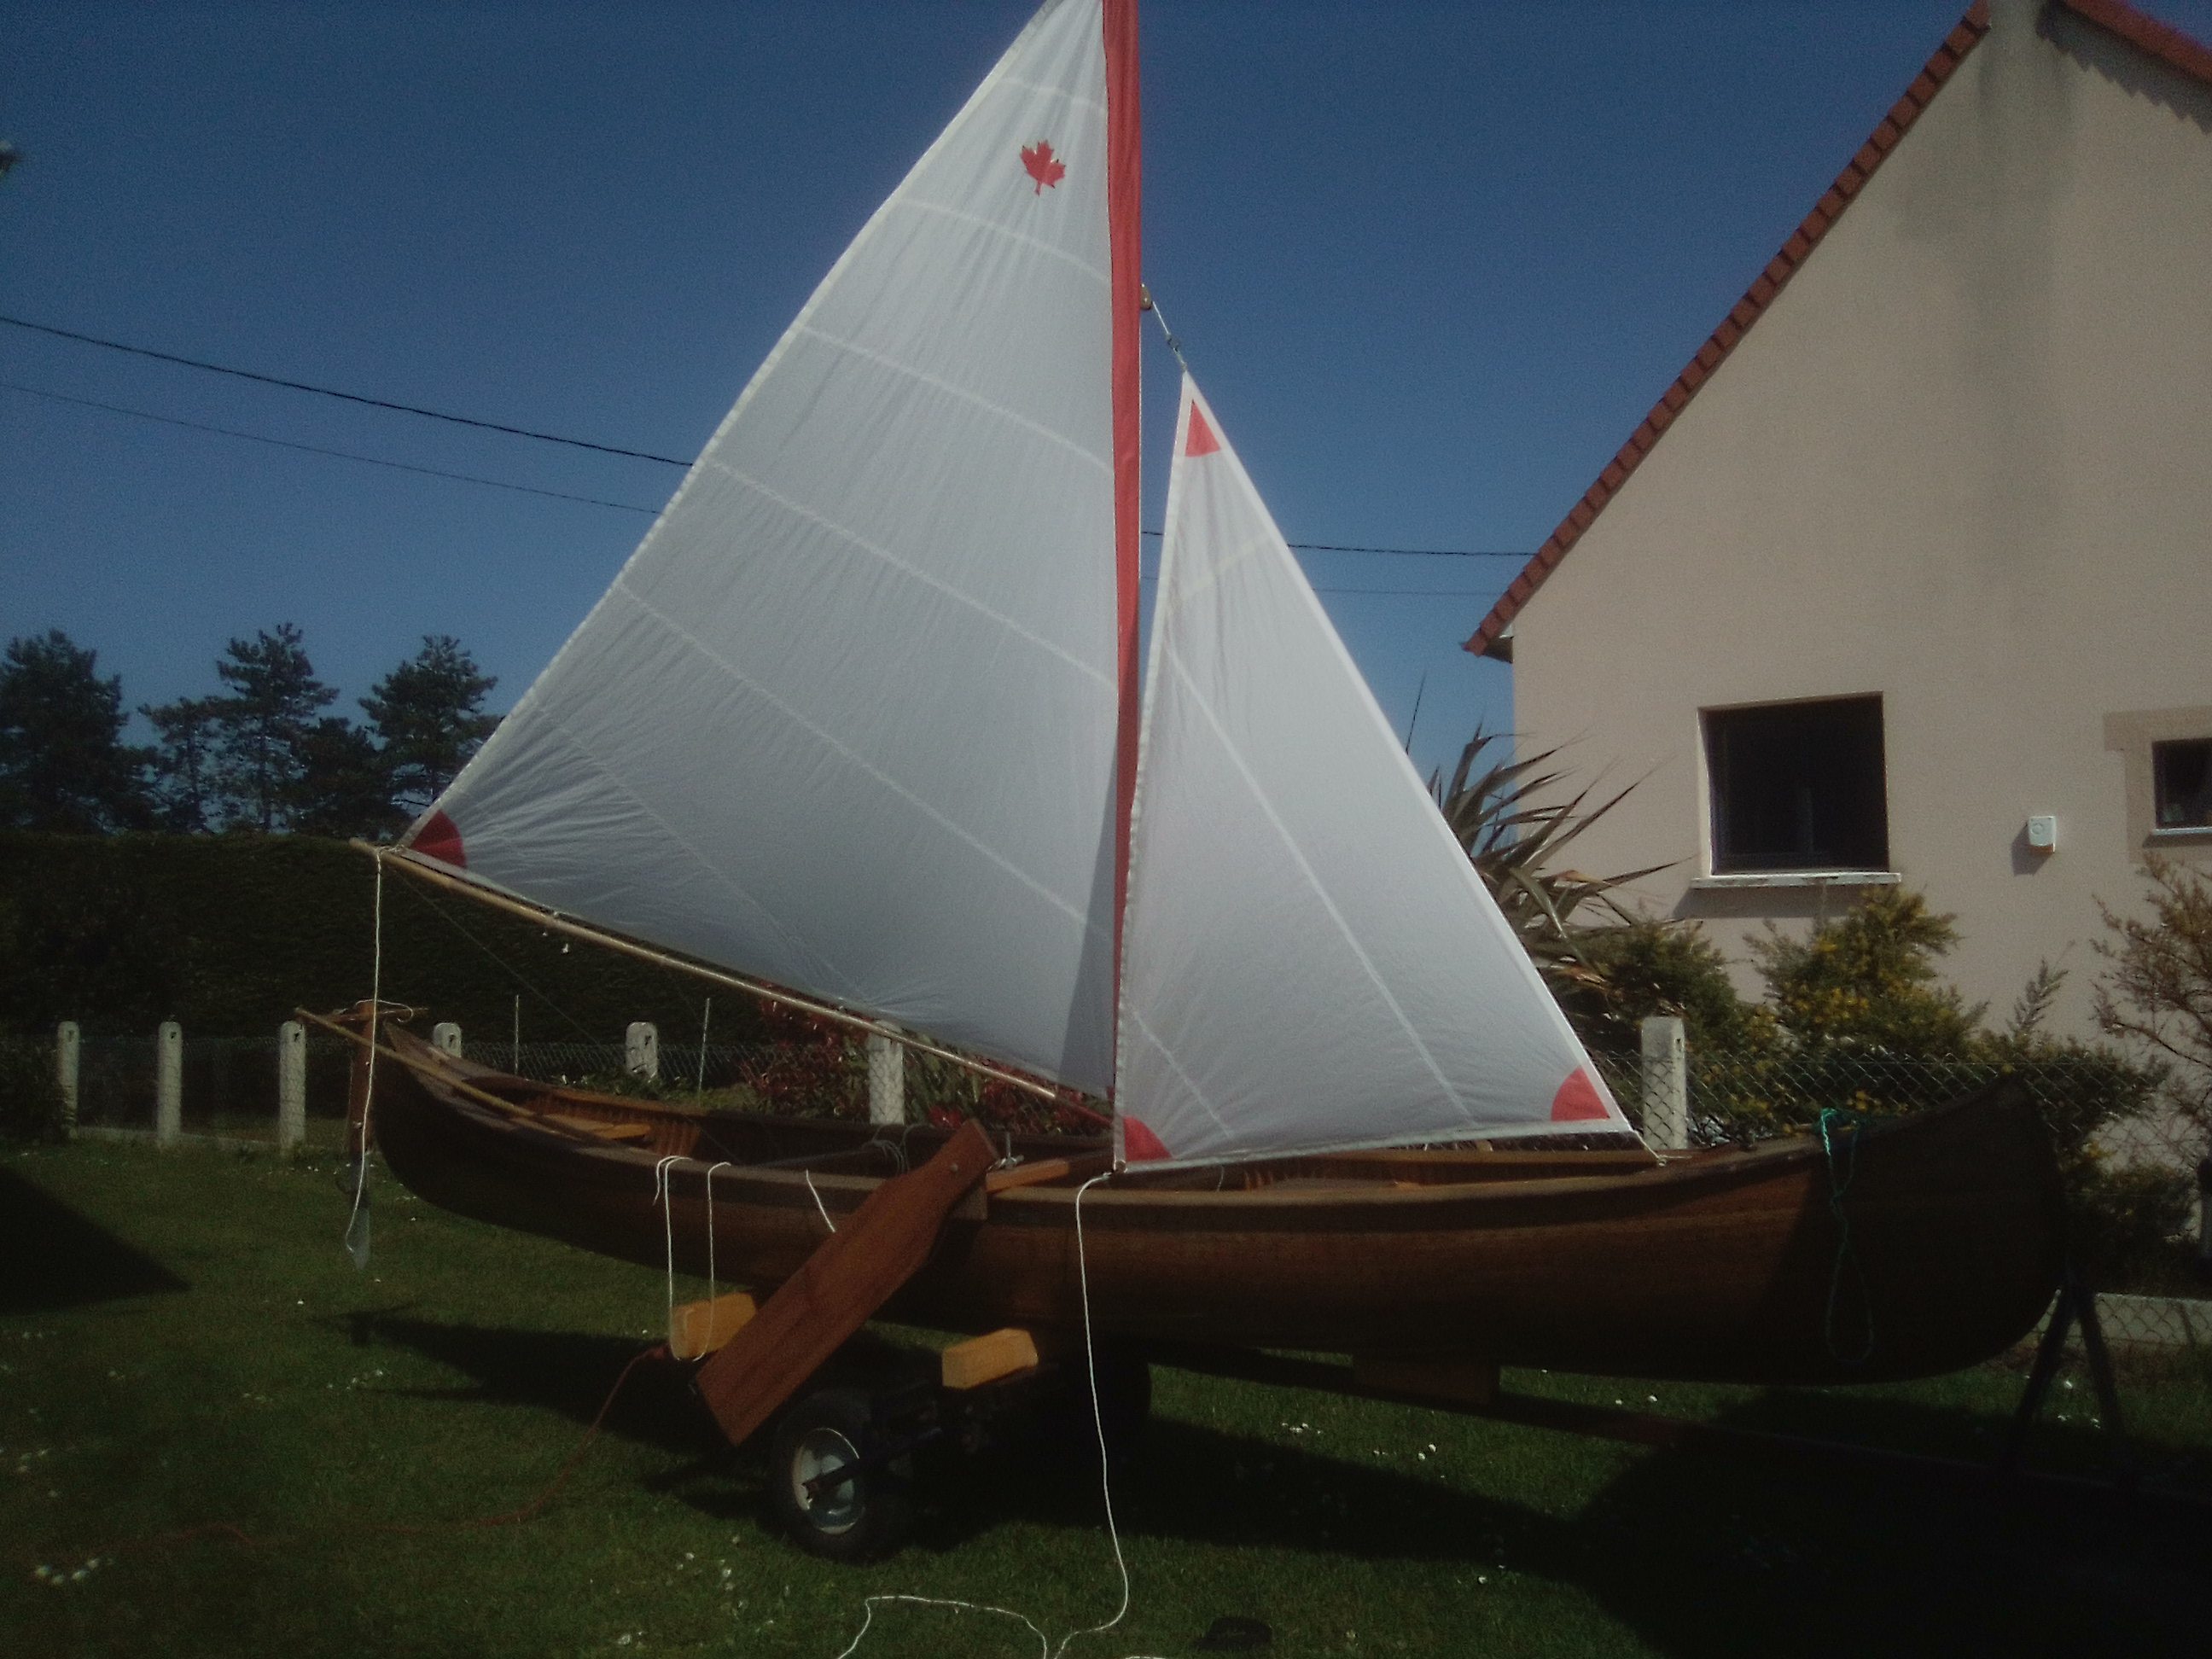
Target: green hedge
(228, 934)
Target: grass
(183, 1346)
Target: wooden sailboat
(860, 717)
(1727, 1265)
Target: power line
(317, 449)
(343, 397)
(526, 432)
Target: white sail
(847, 720)
(1309, 960)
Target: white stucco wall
(1963, 461)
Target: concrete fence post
(68, 1046)
(641, 1051)
(446, 1038)
(291, 1085)
(1665, 1084)
(168, 1083)
(886, 1079)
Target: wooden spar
(422, 872)
(467, 1091)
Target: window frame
(1859, 855)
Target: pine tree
(345, 787)
(429, 713)
(187, 792)
(266, 720)
(63, 764)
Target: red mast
(1124, 211)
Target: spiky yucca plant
(1513, 836)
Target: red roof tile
(2168, 44)
(2162, 41)
(1747, 311)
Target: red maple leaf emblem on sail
(1043, 166)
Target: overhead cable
(522, 432)
(343, 397)
(317, 449)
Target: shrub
(30, 1096)
(1652, 967)
(2158, 988)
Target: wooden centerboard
(854, 1272)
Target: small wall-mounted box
(2043, 834)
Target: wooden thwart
(1042, 1170)
(854, 1271)
(599, 1128)
(699, 1327)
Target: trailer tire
(867, 1515)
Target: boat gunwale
(1108, 1204)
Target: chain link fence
(227, 1086)
(725, 1065)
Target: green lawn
(184, 1346)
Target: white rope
(1098, 1419)
(664, 1195)
(868, 1617)
(1046, 1648)
(818, 1204)
(710, 1226)
(368, 1083)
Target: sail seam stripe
(1190, 1083)
(1007, 233)
(763, 376)
(855, 539)
(1252, 548)
(1074, 912)
(1455, 858)
(938, 382)
(1290, 843)
(1066, 94)
(722, 878)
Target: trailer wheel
(862, 1516)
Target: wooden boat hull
(1730, 1264)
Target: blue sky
(1431, 263)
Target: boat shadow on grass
(563, 1371)
(52, 1258)
(1697, 1551)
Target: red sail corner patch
(1139, 1144)
(1578, 1100)
(440, 838)
(1202, 440)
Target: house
(1908, 576)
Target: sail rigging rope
(1842, 1168)
(818, 1204)
(1046, 1647)
(664, 1195)
(359, 1250)
(711, 1288)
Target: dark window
(2181, 779)
(1798, 786)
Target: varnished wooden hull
(1722, 1266)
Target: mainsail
(1310, 961)
(858, 716)
(848, 717)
